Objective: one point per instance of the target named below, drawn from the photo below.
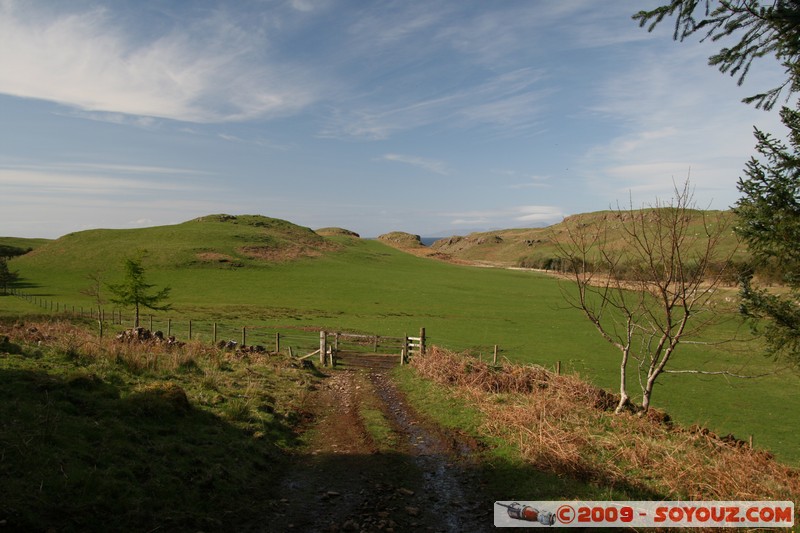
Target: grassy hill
(267, 273)
(13, 246)
(214, 240)
(534, 247)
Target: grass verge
(103, 436)
(556, 437)
(377, 426)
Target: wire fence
(292, 340)
(110, 321)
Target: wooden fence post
(169, 327)
(558, 368)
(422, 341)
(278, 342)
(322, 342)
(244, 335)
(215, 333)
(190, 329)
(494, 358)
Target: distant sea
(427, 241)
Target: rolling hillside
(534, 247)
(268, 273)
(223, 241)
(13, 246)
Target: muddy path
(417, 478)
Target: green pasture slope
(12, 246)
(533, 246)
(365, 286)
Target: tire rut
(346, 482)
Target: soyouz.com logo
(644, 514)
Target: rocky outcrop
(399, 238)
(334, 232)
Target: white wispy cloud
(667, 132)
(509, 216)
(37, 214)
(509, 100)
(258, 141)
(524, 180)
(86, 167)
(203, 71)
(109, 183)
(386, 25)
(431, 165)
(91, 185)
(497, 36)
(123, 169)
(307, 6)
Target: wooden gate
(366, 351)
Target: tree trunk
(136, 317)
(624, 399)
(647, 391)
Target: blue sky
(435, 118)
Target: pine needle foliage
(763, 30)
(135, 291)
(769, 214)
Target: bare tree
(645, 279)
(94, 289)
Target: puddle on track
(435, 454)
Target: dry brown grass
(288, 251)
(77, 342)
(566, 426)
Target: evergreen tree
(763, 30)
(769, 209)
(769, 221)
(134, 291)
(7, 277)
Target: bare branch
(644, 279)
(720, 373)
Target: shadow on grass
(372, 492)
(78, 455)
(22, 284)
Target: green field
(365, 286)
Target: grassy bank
(556, 437)
(102, 436)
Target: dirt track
(345, 481)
